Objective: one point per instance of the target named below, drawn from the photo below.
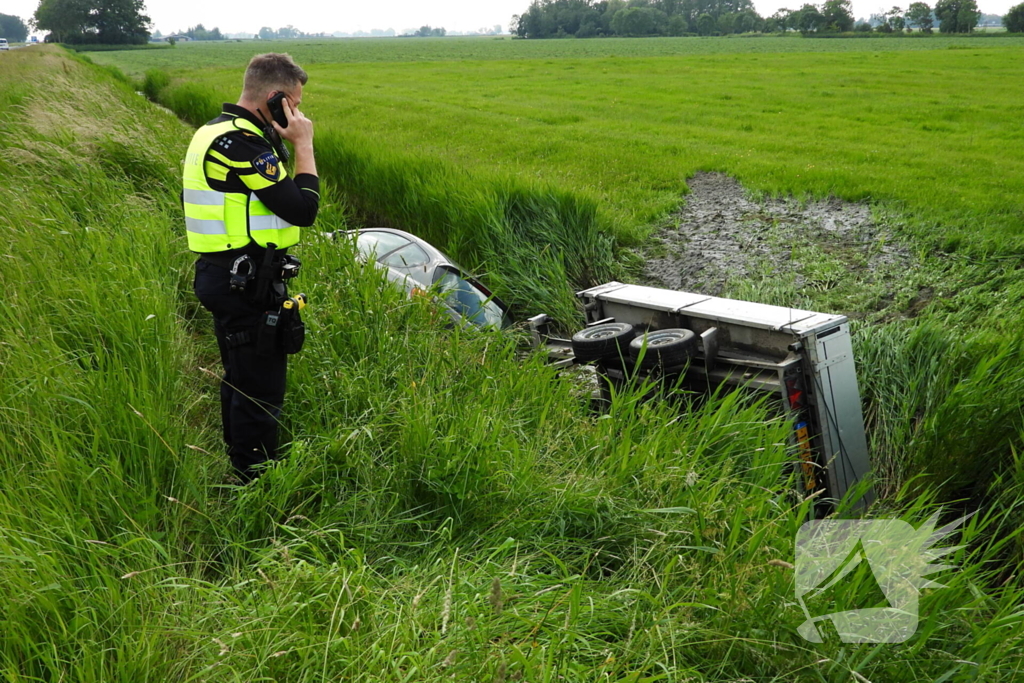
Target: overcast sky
(454, 15)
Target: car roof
(434, 253)
(436, 256)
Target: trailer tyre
(599, 342)
(668, 349)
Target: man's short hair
(272, 71)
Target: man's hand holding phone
(299, 132)
(298, 129)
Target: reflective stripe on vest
(217, 221)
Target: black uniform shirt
(241, 161)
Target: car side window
(379, 243)
(408, 256)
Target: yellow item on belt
(297, 302)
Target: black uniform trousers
(252, 389)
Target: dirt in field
(721, 235)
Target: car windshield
(467, 299)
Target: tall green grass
(448, 510)
(535, 243)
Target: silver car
(417, 266)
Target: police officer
(242, 212)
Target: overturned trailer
(802, 359)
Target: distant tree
(677, 25)
(513, 25)
(13, 28)
(705, 24)
(529, 24)
(897, 19)
(837, 15)
(1014, 19)
(589, 28)
(427, 31)
(64, 19)
(199, 32)
(745, 21)
(957, 16)
(267, 33)
(203, 34)
(891, 21)
(919, 16)
(611, 8)
(781, 21)
(639, 21)
(862, 27)
(93, 21)
(809, 19)
(120, 21)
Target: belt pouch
(293, 333)
(266, 336)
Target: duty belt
(225, 260)
(267, 274)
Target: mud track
(721, 235)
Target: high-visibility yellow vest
(217, 221)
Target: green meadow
(924, 125)
(335, 51)
(450, 509)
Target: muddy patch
(721, 237)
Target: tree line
(429, 32)
(200, 32)
(590, 18)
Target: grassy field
(928, 132)
(340, 50)
(448, 512)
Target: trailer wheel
(602, 341)
(665, 348)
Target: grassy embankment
(446, 513)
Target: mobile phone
(276, 107)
